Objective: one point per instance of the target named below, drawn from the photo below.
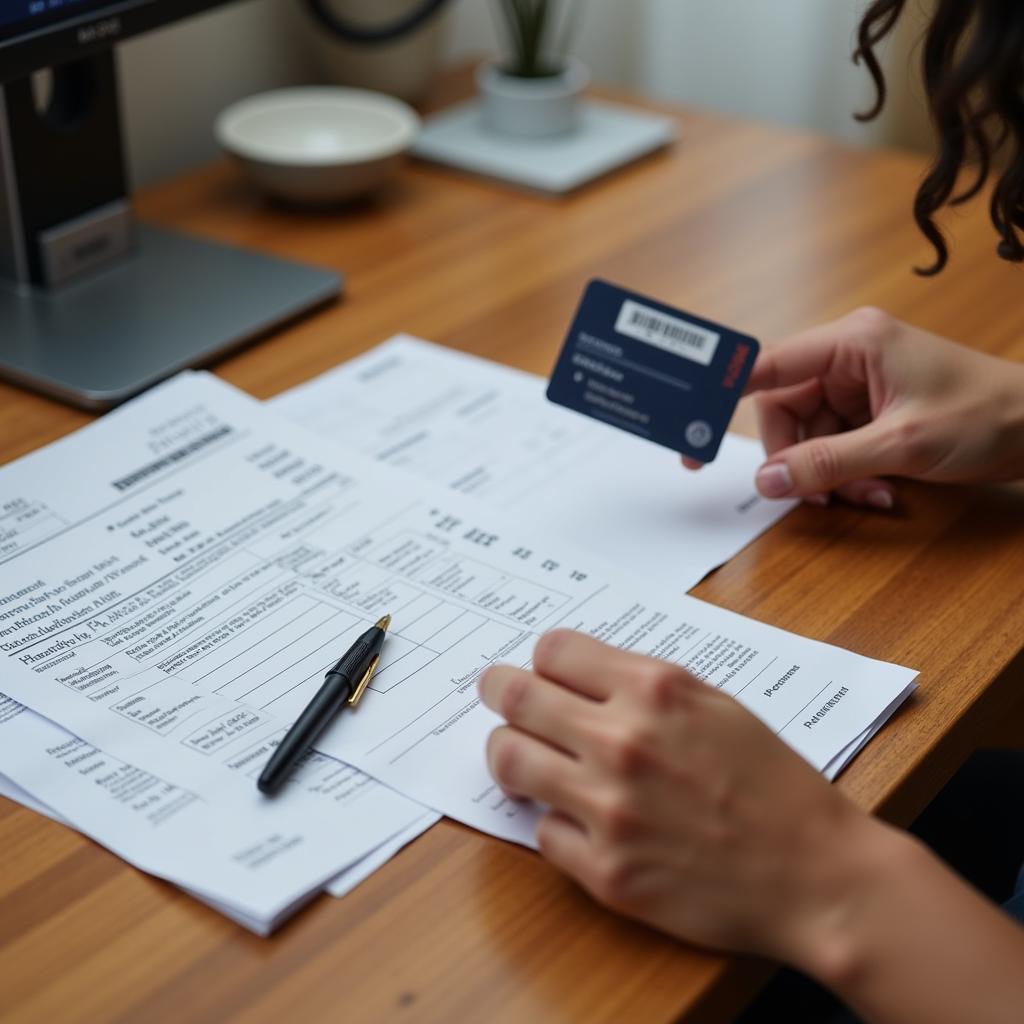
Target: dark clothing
(1015, 904)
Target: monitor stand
(174, 302)
(94, 308)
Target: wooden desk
(752, 225)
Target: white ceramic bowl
(319, 144)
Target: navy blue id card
(655, 371)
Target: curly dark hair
(973, 65)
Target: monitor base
(173, 303)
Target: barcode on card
(679, 337)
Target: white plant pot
(405, 68)
(532, 107)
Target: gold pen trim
(357, 693)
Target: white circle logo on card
(699, 434)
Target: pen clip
(363, 683)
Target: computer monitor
(94, 307)
(42, 33)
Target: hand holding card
(662, 374)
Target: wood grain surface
(762, 228)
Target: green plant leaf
(509, 10)
(528, 24)
(569, 27)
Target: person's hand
(672, 803)
(843, 405)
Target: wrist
(860, 868)
(899, 937)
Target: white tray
(610, 136)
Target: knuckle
(514, 697)
(614, 879)
(822, 463)
(660, 686)
(549, 647)
(628, 752)
(614, 817)
(873, 323)
(503, 756)
(619, 819)
(545, 835)
(909, 437)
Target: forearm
(908, 941)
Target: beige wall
(775, 60)
(784, 60)
(174, 81)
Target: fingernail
(880, 499)
(773, 480)
(817, 499)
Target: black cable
(353, 33)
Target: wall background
(175, 81)
(777, 60)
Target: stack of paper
(175, 579)
(174, 835)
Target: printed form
(164, 830)
(177, 577)
(487, 430)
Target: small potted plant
(534, 91)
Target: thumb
(822, 464)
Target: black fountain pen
(343, 686)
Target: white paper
(360, 871)
(487, 430)
(201, 561)
(425, 735)
(85, 570)
(111, 815)
(261, 926)
(214, 853)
